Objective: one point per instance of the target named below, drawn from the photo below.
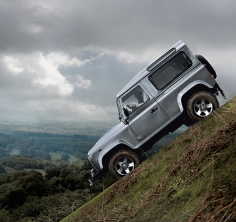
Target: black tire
(201, 105)
(188, 121)
(122, 163)
(207, 65)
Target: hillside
(193, 178)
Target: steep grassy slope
(193, 178)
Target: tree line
(37, 144)
(30, 196)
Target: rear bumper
(222, 92)
(217, 88)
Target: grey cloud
(116, 38)
(120, 25)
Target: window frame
(138, 108)
(169, 61)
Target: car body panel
(160, 104)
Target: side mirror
(125, 121)
(126, 112)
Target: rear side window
(169, 71)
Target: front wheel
(122, 163)
(201, 105)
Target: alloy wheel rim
(124, 165)
(202, 107)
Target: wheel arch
(190, 90)
(201, 104)
(118, 147)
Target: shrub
(12, 198)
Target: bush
(4, 216)
(13, 198)
(2, 170)
(34, 184)
(28, 196)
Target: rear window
(169, 71)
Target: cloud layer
(67, 60)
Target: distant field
(57, 156)
(63, 128)
(37, 170)
(54, 155)
(15, 152)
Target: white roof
(142, 74)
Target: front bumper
(95, 175)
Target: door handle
(154, 110)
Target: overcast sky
(67, 60)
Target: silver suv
(178, 88)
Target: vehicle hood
(107, 136)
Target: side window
(169, 71)
(134, 99)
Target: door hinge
(139, 138)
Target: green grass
(190, 179)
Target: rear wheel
(201, 105)
(122, 163)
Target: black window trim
(160, 60)
(177, 77)
(143, 88)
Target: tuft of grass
(190, 179)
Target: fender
(110, 147)
(187, 88)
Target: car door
(144, 114)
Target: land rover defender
(178, 88)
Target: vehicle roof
(180, 44)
